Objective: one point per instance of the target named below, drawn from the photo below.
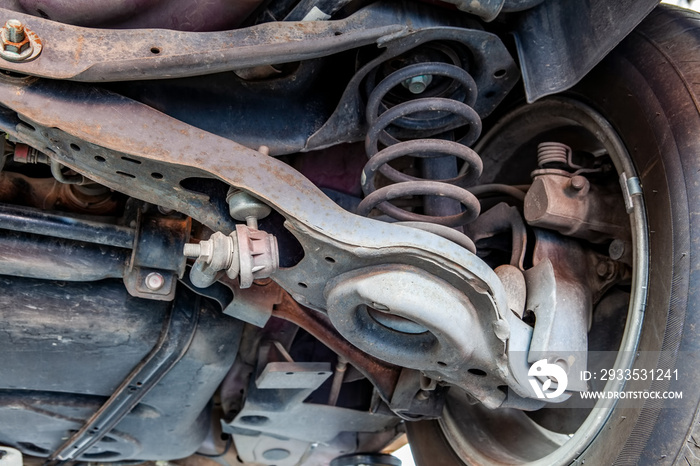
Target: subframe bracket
(276, 418)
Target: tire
(648, 89)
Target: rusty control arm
(99, 55)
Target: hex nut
(18, 43)
(16, 47)
(13, 37)
(418, 84)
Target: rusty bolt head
(18, 43)
(14, 38)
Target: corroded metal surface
(87, 54)
(383, 375)
(393, 27)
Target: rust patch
(383, 375)
(79, 42)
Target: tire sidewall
(646, 98)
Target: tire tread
(676, 34)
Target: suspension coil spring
(553, 152)
(429, 118)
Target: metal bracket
(630, 187)
(562, 311)
(253, 305)
(275, 426)
(412, 401)
(156, 259)
(275, 406)
(136, 281)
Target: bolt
(605, 269)
(616, 249)
(193, 250)
(423, 395)
(14, 38)
(601, 269)
(219, 252)
(15, 31)
(578, 183)
(418, 84)
(154, 281)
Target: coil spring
(553, 152)
(426, 117)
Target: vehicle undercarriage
(286, 233)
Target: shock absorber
(418, 128)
